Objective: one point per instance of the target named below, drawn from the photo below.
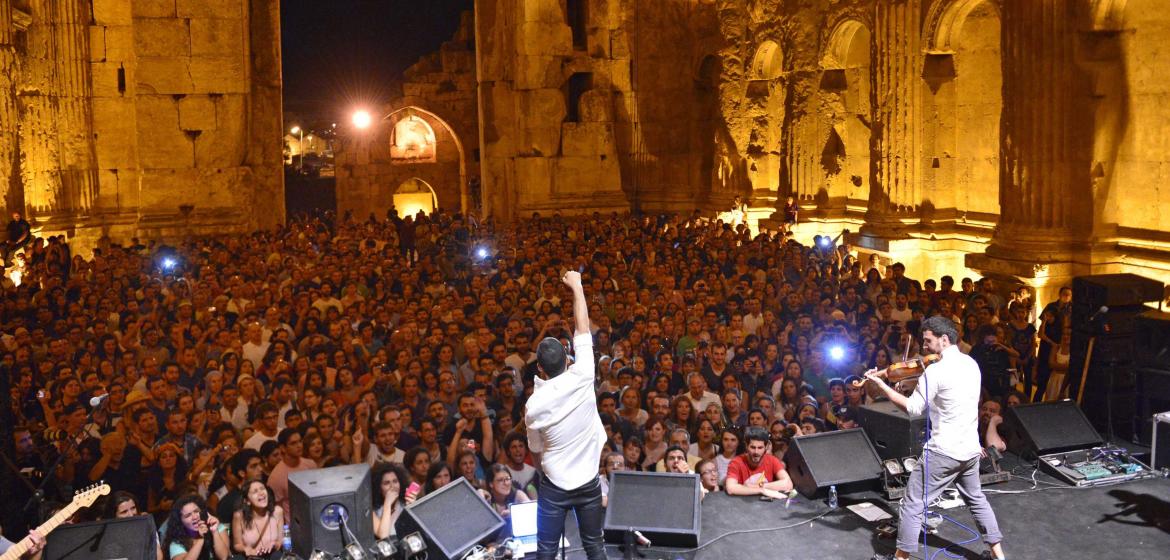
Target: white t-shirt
(953, 384)
(257, 440)
(563, 423)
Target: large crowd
(230, 362)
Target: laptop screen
(523, 519)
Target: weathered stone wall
(127, 110)
(635, 127)
(440, 90)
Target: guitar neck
(17, 550)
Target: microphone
(95, 402)
(1104, 309)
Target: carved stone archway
(464, 193)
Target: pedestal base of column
(1044, 260)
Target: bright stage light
(482, 253)
(168, 263)
(837, 353)
(362, 119)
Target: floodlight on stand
(354, 551)
(413, 544)
(385, 549)
(320, 555)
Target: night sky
(342, 53)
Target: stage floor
(1125, 520)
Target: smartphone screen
(413, 488)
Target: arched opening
(847, 140)
(412, 140)
(963, 151)
(417, 113)
(413, 196)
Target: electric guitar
(84, 498)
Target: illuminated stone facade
(602, 105)
(1022, 139)
(141, 117)
(427, 134)
(1015, 139)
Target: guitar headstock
(88, 496)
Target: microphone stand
(38, 496)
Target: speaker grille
(839, 457)
(456, 516)
(1056, 426)
(671, 499)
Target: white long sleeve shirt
(951, 387)
(563, 423)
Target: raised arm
(572, 279)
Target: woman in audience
(730, 447)
(438, 476)
(193, 534)
(655, 447)
(503, 492)
(704, 445)
(631, 408)
(258, 526)
(390, 481)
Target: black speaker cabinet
(132, 538)
(663, 506)
(1151, 343)
(1115, 290)
(844, 459)
(320, 499)
(894, 432)
(452, 520)
(1050, 427)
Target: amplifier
(1115, 290)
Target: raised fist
(572, 279)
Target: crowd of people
(408, 344)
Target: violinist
(948, 392)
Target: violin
(899, 371)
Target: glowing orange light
(362, 119)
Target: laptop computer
(524, 527)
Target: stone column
(1046, 135)
(57, 155)
(896, 97)
(78, 161)
(10, 187)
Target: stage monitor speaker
(1115, 290)
(1050, 427)
(131, 538)
(452, 520)
(894, 432)
(662, 506)
(320, 499)
(845, 459)
(1151, 345)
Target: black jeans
(553, 503)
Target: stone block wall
(177, 102)
(617, 118)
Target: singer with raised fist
(565, 433)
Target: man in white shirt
(565, 432)
(949, 392)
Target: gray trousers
(943, 471)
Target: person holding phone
(566, 435)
